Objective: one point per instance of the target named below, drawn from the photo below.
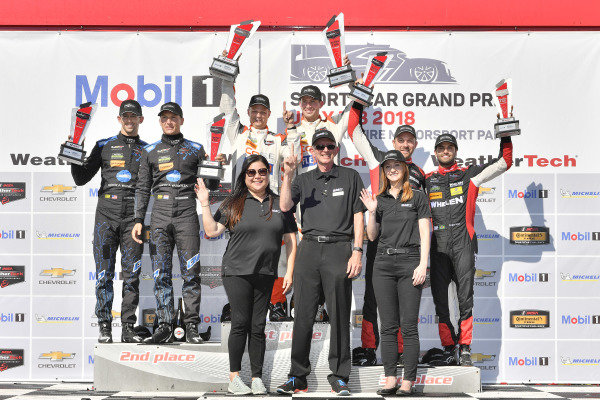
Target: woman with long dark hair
(257, 226)
(403, 215)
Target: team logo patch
(192, 261)
(137, 265)
(250, 143)
(165, 166)
(155, 274)
(455, 191)
(435, 195)
(173, 176)
(124, 176)
(117, 163)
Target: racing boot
(128, 334)
(448, 357)
(278, 312)
(362, 357)
(162, 334)
(226, 313)
(465, 356)
(105, 332)
(191, 334)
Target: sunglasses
(322, 147)
(252, 172)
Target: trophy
(212, 169)
(72, 149)
(363, 92)
(226, 67)
(334, 42)
(507, 125)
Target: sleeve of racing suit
(371, 154)
(82, 174)
(341, 123)
(489, 171)
(227, 106)
(289, 142)
(142, 188)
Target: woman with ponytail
(403, 215)
(256, 225)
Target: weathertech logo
(11, 274)
(11, 191)
(11, 358)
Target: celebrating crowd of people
(285, 184)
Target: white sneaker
(258, 387)
(238, 387)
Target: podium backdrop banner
(537, 289)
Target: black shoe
(206, 335)
(105, 332)
(293, 385)
(278, 312)
(128, 334)
(406, 392)
(226, 313)
(465, 356)
(400, 360)
(162, 334)
(387, 392)
(322, 315)
(191, 334)
(362, 357)
(447, 358)
(340, 387)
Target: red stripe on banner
(313, 14)
(445, 335)
(466, 331)
(367, 335)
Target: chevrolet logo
(480, 273)
(57, 272)
(115, 314)
(480, 357)
(486, 190)
(57, 189)
(57, 356)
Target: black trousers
(111, 232)
(249, 296)
(398, 304)
(175, 226)
(321, 268)
(457, 266)
(369, 334)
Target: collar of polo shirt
(249, 196)
(332, 172)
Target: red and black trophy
(211, 168)
(227, 67)
(72, 149)
(507, 125)
(363, 92)
(334, 42)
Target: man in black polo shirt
(331, 218)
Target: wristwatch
(357, 249)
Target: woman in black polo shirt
(400, 267)
(256, 224)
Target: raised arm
(82, 174)
(228, 106)
(497, 167)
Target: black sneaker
(340, 387)
(226, 313)
(362, 357)
(278, 312)
(162, 334)
(105, 332)
(191, 334)
(128, 334)
(465, 356)
(447, 358)
(293, 385)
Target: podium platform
(186, 367)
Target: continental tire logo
(530, 319)
(529, 235)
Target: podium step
(205, 367)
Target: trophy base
(340, 76)
(224, 68)
(362, 94)
(71, 152)
(211, 170)
(507, 127)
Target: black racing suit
(119, 157)
(373, 156)
(168, 172)
(452, 194)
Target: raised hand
(291, 162)
(368, 200)
(288, 117)
(201, 192)
(346, 60)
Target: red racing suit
(452, 194)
